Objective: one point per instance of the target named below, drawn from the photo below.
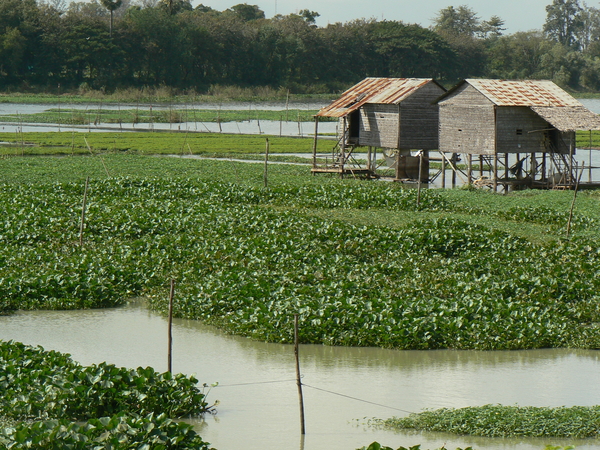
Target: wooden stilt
(443, 170)
(470, 169)
(454, 160)
(495, 182)
(315, 143)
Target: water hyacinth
(453, 272)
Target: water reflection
(258, 395)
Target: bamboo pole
(82, 223)
(298, 376)
(170, 329)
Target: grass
(206, 144)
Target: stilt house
(396, 114)
(514, 125)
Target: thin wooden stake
(265, 173)
(574, 198)
(419, 185)
(298, 377)
(82, 224)
(315, 142)
(170, 326)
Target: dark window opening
(354, 125)
(519, 132)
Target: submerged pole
(298, 377)
(170, 329)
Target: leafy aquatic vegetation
(378, 446)
(46, 396)
(118, 432)
(97, 115)
(48, 384)
(207, 144)
(504, 421)
(360, 262)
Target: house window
(519, 132)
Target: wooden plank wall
(520, 130)
(379, 125)
(420, 119)
(467, 123)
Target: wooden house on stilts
(396, 115)
(521, 132)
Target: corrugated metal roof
(373, 90)
(523, 93)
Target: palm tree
(111, 5)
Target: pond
(258, 396)
(283, 127)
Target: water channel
(258, 407)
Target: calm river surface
(258, 407)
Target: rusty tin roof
(374, 90)
(520, 93)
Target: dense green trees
(105, 44)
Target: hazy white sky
(518, 15)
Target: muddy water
(258, 398)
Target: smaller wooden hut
(525, 128)
(396, 115)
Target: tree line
(108, 44)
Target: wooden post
(574, 198)
(170, 329)
(470, 169)
(495, 182)
(506, 171)
(543, 175)
(454, 168)
(480, 166)
(343, 148)
(572, 175)
(298, 377)
(590, 165)
(315, 142)
(397, 166)
(265, 174)
(369, 158)
(443, 170)
(420, 176)
(82, 224)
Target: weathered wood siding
(379, 126)
(520, 130)
(420, 119)
(467, 123)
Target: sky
(518, 15)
